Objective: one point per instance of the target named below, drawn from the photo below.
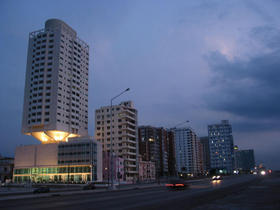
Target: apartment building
(204, 141)
(157, 145)
(221, 146)
(187, 151)
(124, 134)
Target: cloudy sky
(201, 61)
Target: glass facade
(221, 146)
(73, 174)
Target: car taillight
(169, 185)
(179, 185)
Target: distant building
(221, 146)
(118, 167)
(56, 84)
(147, 170)
(76, 161)
(6, 168)
(201, 165)
(157, 145)
(171, 154)
(150, 147)
(205, 152)
(187, 151)
(244, 160)
(124, 134)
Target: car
(262, 172)
(43, 189)
(89, 186)
(176, 184)
(216, 178)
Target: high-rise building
(157, 145)
(56, 84)
(187, 151)
(171, 154)
(221, 146)
(200, 165)
(149, 146)
(205, 152)
(244, 159)
(124, 134)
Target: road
(235, 192)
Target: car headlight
(263, 173)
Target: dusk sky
(202, 61)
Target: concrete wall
(35, 155)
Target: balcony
(130, 159)
(130, 153)
(127, 122)
(129, 129)
(129, 146)
(129, 118)
(129, 112)
(129, 135)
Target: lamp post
(111, 137)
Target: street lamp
(111, 137)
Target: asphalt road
(240, 192)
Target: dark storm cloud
(249, 87)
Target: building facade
(172, 171)
(118, 168)
(6, 168)
(187, 151)
(124, 134)
(204, 141)
(157, 145)
(201, 165)
(244, 160)
(77, 161)
(147, 170)
(221, 146)
(56, 84)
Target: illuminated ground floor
(58, 174)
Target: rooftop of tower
(56, 23)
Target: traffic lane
(260, 195)
(225, 182)
(114, 200)
(200, 197)
(100, 199)
(48, 202)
